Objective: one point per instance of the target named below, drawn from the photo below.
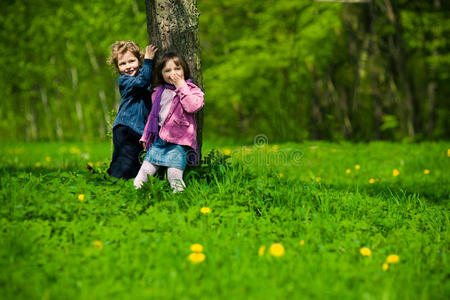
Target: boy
(134, 83)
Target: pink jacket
(179, 127)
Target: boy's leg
(175, 177)
(145, 170)
(118, 138)
(125, 161)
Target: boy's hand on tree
(150, 51)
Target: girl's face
(128, 64)
(171, 69)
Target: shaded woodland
(292, 70)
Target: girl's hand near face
(150, 51)
(177, 80)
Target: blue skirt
(163, 153)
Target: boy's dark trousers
(125, 161)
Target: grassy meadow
(315, 220)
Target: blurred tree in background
(292, 70)
(55, 82)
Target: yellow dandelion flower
(226, 151)
(281, 175)
(197, 257)
(277, 250)
(37, 165)
(98, 244)
(448, 152)
(301, 243)
(395, 173)
(385, 267)
(19, 150)
(98, 164)
(75, 150)
(348, 171)
(393, 259)
(205, 210)
(365, 252)
(261, 250)
(48, 159)
(81, 197)
(90, 164)
(357, 167)
(196, 248)
(371, 180)
(317, 179)
(426, 171)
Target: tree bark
(172, 26)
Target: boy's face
(128, 64)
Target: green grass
(258, 195)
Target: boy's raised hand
(150, 51)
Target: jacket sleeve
(191, 97)
(145, 136)
(129, 84)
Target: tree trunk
(317, 118)
(57, 104)
(78, 107)
(32, 120)
(101, 92)
(398, 54)
(172, 25)
(431, 108)
(48, 114)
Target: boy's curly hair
(120, 48)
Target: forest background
(292, 70)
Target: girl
(135, 70)
(171, 131)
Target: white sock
(175, 177)
(145, 170)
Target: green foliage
(54, 73)
(256, 74)
(116, 242)
(292, 70)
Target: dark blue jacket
(136, 103)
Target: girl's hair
(120, 48)
(177, 59)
